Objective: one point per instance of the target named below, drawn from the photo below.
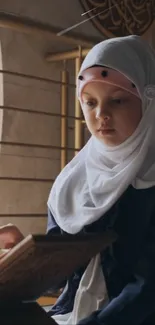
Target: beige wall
(18, 196)
(22, 200)
(1, 93)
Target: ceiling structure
(105, 18)
(27, 25)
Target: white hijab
(96, 178)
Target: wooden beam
(68, 55)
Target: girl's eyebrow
(86, 93)
(122, 91)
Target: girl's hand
(10, 235)
(3, 252)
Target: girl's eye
(89, 103)
(118, 101)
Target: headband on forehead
(105, 75)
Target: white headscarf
(96, 178)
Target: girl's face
(111, 113)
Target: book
(39, 261)
(24, 314)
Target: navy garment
(128, 266)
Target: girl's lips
(105, 130)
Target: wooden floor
(46, 301)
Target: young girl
(111, 184)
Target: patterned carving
(121, 18)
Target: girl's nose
(102, 114)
